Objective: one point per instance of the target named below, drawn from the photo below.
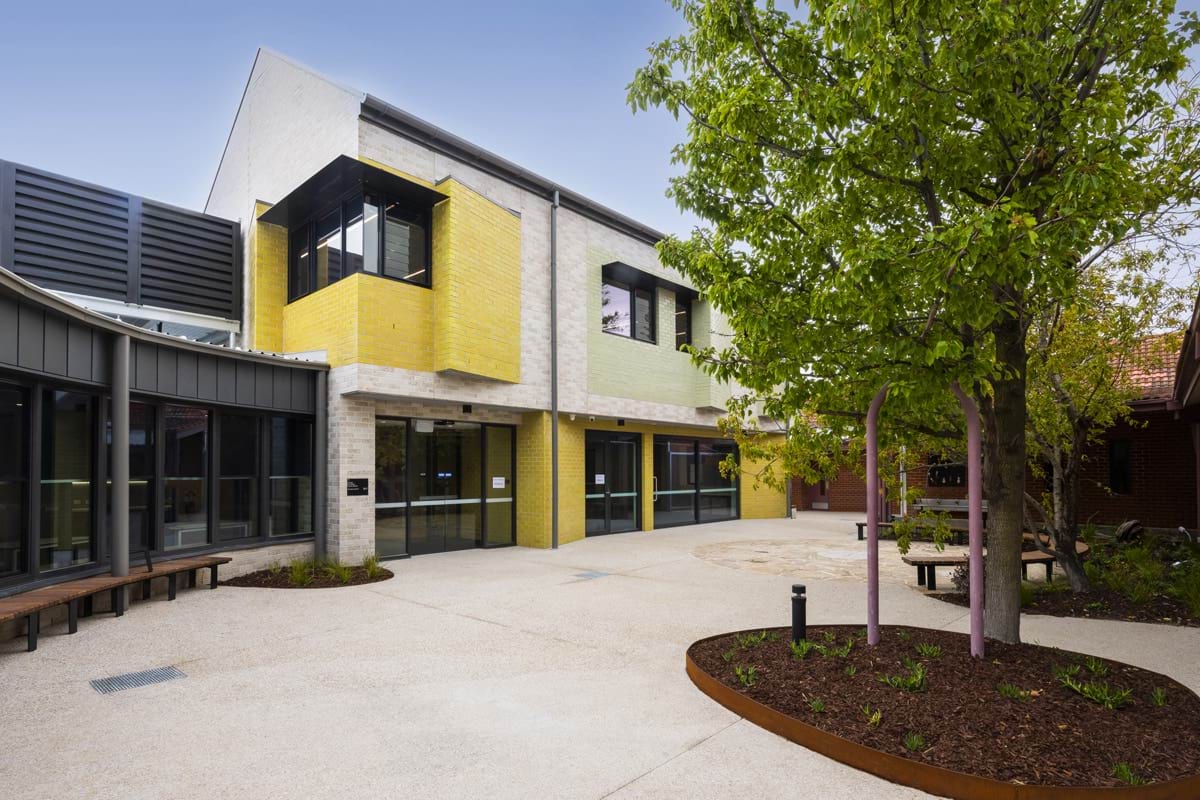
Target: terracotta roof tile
(1152, 368)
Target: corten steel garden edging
(904, 771)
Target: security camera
(591, 419)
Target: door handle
(656, 488)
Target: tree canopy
(892, 190)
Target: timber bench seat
(958, 529)
(30, 604)
(927, 564)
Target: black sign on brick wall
(357, 487)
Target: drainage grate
(132, 680)
(590, 575)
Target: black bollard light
(799, 613)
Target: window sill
(651, 342)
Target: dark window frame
(633, 289)
(683, 308)
(308, 229)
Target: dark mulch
(265, 579)
(1054, 736)
(1098, 604)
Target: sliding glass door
(688, 485)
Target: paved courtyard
(515, 673)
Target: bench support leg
(172, 584)
(192, 573)
(920, 574)
(1050, 572)
(87, 606)
(931, 577)
(72, 616)
(860, 532)
(117, 597)
(146, 589)
(212, 580)
(1024, 572)
(32, 623)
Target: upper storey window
(626, 310)
(683, 322)
(354, 236)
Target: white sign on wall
(599, 478)
(498, 482)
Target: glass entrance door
(612, 482)
(445, 487)
(688, 484)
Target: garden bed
(1096, 604)
(1009, 718)
(318, 578)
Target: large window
(238, 482)
(291, 476)
(66, 537)
(185, 485)
(141, 475)
(354, 236)
(1120, 466)
(627, 311)
(14, 416)
(688, 484)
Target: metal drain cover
(132, 680)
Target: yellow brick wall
(268, 282)
(325, 320)
(761, 502)
(476, 285)
(533, 480)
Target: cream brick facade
(600, 375)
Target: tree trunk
(1064, 489)
(1004, 486)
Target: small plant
(1096, 666)
(801, 649)
(926, 650)
(903, 636)
(914, 681)
(275, 568)
(1062, 673)
(728, 656)
(874, 716)
(851, 670)
(1158, 697)
(1029, 593)
(838, 652)
(1099, 692)
(300, 572)
(817, 705)
(1096, 605)
(829, 636)
(1013, 692)
(1125, 774)
(748, 640)
(862, 633)
(914, 742)
(342, 573)
(747, 676)
(960, 579)
(370, 565)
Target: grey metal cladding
(9, 334)
(79, 351)
(42, 341)
(54, 343)
(30, 334)
(71, 236)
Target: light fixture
(466, 409)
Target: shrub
(1125, 774)
(802, 648)
(851, 670)
(1029, 593)
(1185, 585)
(1096, 666)
(370, 565)
(728, 656)
(914, 742)
(300, 572)
(748, 640)
(275, 568)
(1134, 572)
(1013, 692)
(914, 681)
(837, 652)
(341, 573)
(926, 650)
(817, 705)
(1158, 697)
(1062, 673)
(747, 676)
(960, 578)
(874, 716)
(1099, 693)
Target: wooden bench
(927, 564)
(74, 593)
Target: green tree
(892, 191)
(1083, 359)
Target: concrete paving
(512, 673)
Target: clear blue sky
(140, 95)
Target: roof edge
(412, 127)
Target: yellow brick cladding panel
(268, 282)
(477, 286)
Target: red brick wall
(1163, 490)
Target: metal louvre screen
(69, 236)
(187, 260)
